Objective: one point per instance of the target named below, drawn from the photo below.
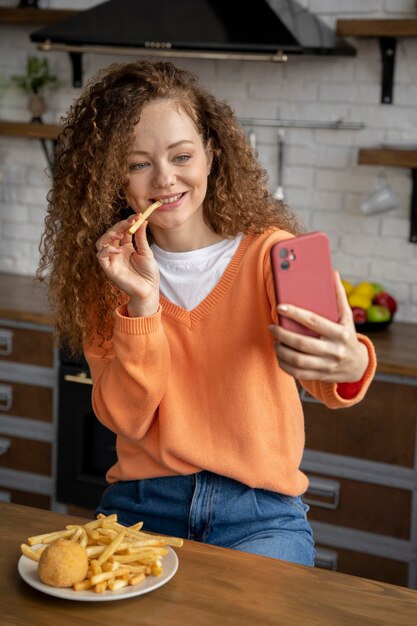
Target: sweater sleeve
(328, 393)
(129, 374)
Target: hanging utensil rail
(336, 125)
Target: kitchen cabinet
(362, 464)
(28, 391)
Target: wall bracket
(413, 208)
(387, 46)
(49, 153)
(77, 68)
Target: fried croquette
(63, 563)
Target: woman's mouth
(170, 200)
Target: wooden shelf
(31, 130)
(377, 28)
(396, 157)
(393, 157)
(387, 32)
(15, 15)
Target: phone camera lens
(285, 265)
(283, 253)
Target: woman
(175, 321)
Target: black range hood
(262, 30)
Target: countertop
(23, 298)
(212, 586)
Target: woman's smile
(169, 202)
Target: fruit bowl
(373, 308)
(365, 327)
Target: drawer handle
(6, 397)
(6, 342)
(323, 488)
(326, 559)
(79, 378)
(5, 444)
(6, 497)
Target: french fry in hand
(118, 556)
(144, 217)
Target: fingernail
(282, 307)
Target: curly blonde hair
(89, 177)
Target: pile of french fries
(118, 556)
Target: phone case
(302, 272)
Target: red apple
(378, 313)
(385, 299)
(359, 315)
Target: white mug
(382, 199)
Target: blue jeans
(217, 510)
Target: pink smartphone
(303, 276)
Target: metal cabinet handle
(323, 488)
(6, 342)
(5, 496)
(6, 397)
(82, 378)
(5, 444)
(326, 559)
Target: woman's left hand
(335, 356)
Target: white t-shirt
(188, 277)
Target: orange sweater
(202, 389)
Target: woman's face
(168, 162)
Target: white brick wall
(322, 179)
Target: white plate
(28, 570)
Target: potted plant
(34, 82)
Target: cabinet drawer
(25, 455)
(16, 496)
(381, 428)
(364, 565)
(361, 506)
(23, 345)
(28, 401)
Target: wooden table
(213, 587)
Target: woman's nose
(164, 177)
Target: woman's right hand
(134, 271)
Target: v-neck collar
(191, 318)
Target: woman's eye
(183, 158)
(137, 166)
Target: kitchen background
(53, 451)
(322, 179)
